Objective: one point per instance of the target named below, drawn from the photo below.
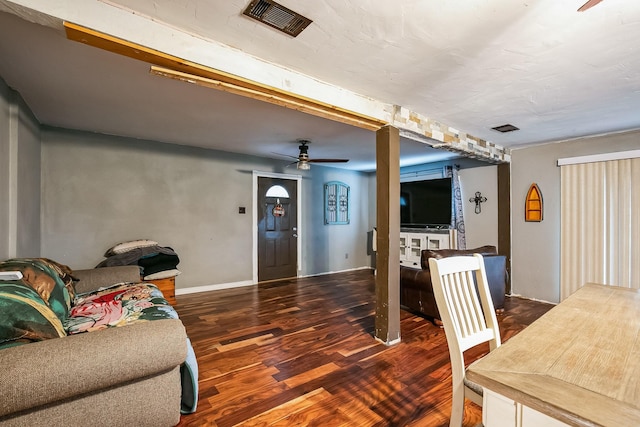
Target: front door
(277, 228)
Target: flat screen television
(425, 204)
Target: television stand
(414, 240)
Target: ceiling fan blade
(285, 155)
(328, 160)
(588, 5)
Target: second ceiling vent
(277, 16)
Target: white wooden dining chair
(467, 320)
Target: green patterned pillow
(24, 316)
(43, 277)
(65, 274)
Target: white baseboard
(218, 287)
(531, 299)
(221, 286)
(335, 272)
(389, 343)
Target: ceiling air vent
(277, 16)
(505, 128)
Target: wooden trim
(282, 99)
(181, 69)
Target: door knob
(295, 235)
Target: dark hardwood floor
(301, 353)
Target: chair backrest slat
(464, 303)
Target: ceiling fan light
(304, 165)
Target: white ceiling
(540, 65)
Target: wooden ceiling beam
(181, 69)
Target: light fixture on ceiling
(303, 161)
(303, 165)
(505, 128)
(277, 16)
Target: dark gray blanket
(133, 256)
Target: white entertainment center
(414, 240)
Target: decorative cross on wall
(477, 200)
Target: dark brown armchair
(416, 291)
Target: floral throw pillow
(118, 305)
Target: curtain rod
(603, 157)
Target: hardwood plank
(311, 374)
(301, 352)
(286, 410)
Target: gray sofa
(126, 376)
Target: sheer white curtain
(457, 218)
(600, 224)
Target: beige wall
(535, 246)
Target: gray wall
(19, 177)
(327, 248)
(100, 190)
(481, 229)
(28, 196)
(535, 246)
(5, 172)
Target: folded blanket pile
(155, 261)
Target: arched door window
(277, 191)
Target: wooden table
(579, 364)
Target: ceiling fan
(588, 5)
(304, 162)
